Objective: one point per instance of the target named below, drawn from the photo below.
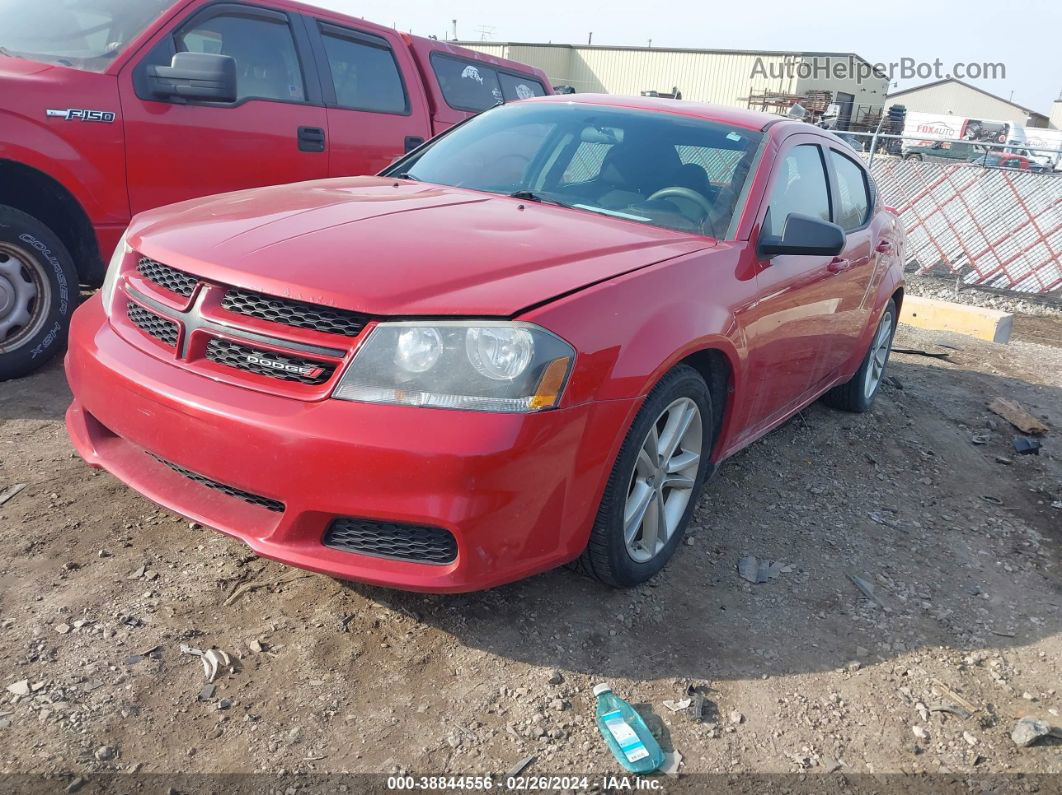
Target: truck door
(274, 132)
(377, 110)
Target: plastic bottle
(625, 732)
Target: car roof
(736, 117)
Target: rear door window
(853, 196)
(466, 85)
(364, 71)
(515, 87)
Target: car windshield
(82, 34)
(660, 169)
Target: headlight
(110, 279)
(471, 365)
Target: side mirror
(195, 75)
(805, 235)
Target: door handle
(311, 139)
(412, 142)
(884, 247)
(838, 264)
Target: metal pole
(874, 140)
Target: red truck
(112, 107)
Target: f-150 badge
(80, 114)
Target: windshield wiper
(406, 175)
(8, 53)
(531, 196)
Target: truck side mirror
(195, 75)
(805, 235)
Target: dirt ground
(923, 498)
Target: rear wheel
(858, 393)
(655, 482)
(38, 291)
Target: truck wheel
(38, 291)
(913, 157)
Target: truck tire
(914, 157)
(38, 292)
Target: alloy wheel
(879, 355)
(661, 485)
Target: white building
(724, 77)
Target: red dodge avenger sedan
(525, 344)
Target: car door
(377, 110)
(796, 334)
(273, 133)
(853, 270)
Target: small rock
(207, 692)
(853, 666)
(21, 688)
(556, 678)
(1028, 730)
(970, 739)
(104, 753)
(75, 785)
(62, 629)
(736, 717)
(1028, 696)
(919, 732)
(256, 646)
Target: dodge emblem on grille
(304, 370)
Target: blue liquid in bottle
(625, 732)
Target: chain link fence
(995, 226)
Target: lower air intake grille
(151, 324)
(294, 313)
(246, 496)
(271, 365)
(400, 542)
(166, 277)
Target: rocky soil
(923, 501)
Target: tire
(38, 292)
(608, 556)
(857, 393)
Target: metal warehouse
(957, 98)
(740, 78)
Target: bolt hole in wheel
(879, 356)
(661, 485)
(24, 293)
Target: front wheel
(858, 393)
(654, 484)
(38, 291)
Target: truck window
(516, 87)
(364, 72)
(81, 34)
(466, 85)
(267, 66)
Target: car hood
(394, 247)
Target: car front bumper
(518, 492)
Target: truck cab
(113, 107)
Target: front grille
(271, 365)
(294, 313)
(384, 540)
(166, 277)
(262, 502)
(151, 324)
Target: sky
(1023, 35)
